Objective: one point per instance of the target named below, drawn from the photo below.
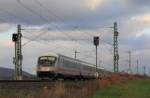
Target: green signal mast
(17, 60)
(116, 54)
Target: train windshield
(47, 61)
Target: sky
(68, 25)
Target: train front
(46, 66)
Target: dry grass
(74, 89)
(60, 89)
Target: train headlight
(96, 75)
(45, 69)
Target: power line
(39, 3)
(57, 46)
(39, 35)
(43, 18)
(31, 10)
(34, 38)
(34, 12)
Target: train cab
(46, 66)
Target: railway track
(45, 80)
(21, 81)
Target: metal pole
(100, 63)
(137, 66)
(116, 54)
(114, 51)
(19, 55)
(15, 61)
(144, 71)
(130, 70)
(96, 43)
(75, 54)
(96, 58)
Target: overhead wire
(39, 35)
(31, 10)
(56, 44)
(40, 4)
(34, 12)
(48, 45)
(61, 20)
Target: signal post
(17, 60)
(96, 43)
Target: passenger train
(55, 66)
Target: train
(55, 66)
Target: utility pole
(17, 60)
(75, 54)
(137, 66)
(144, 69)
(116, 54)
(100, 63)
(130, 70)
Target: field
(137, 88)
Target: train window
(47, 61)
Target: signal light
(15, 37)
(96, 40)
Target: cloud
(142, 18)
(78, 11)
(144, 33)
(6, 51)
(6, 43)
(4, 27)
(93, 4)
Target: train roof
(77, 60)
(50, 54)
(57, 55)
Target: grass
(115, 86)
(67, 89)
(138, 88)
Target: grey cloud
(75, 12)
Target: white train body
(59, 66)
